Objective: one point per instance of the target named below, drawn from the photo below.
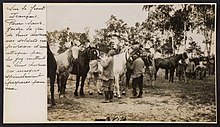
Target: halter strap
(126, 56)
(183, 56)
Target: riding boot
(106, 97)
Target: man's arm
(133, 64)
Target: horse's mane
(85, 52)
(173, 56)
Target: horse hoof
(91, 93)
(82, 95)
(100, 93)
(119, 97)
(123, 93)
(61, 96)
(76, 94)
(115, 95)
(53, 104)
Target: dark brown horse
(80, 67)
(51, 72)
(169, 64)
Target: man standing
(190, 69)
(93, 75)
(138, 72)
(107, 76)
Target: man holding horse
(138, 68)
(108, 76)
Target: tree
(116, 29)
(204, 17)
(158, 21)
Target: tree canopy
(164, 29)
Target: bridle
(132, 53)
(89, 50)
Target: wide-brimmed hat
(111, 53)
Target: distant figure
(137, 75)
(107, 76)
(190, 69)
(180, 70)
(201, 70)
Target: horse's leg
(155, 74)
(171, 74)
(58, 82)
(128, 76)
(151, 76)
(88, 82)
(64, 82)
(205, 72)
(82, 85)
(52, 80)
(117, 86)
(166, 74)
(61, 85)
(77, 85)
(122, 84)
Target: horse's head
(130, 50)
(133, 49)
(92, 53)
(74, 52)
(184, 56)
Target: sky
(78, 17)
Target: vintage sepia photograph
(131, 62)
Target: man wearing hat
(138, 72)
(107, 76)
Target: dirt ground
(163, 102)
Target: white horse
(119, 67)
(64, 66)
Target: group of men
(137, 65)
(191, 69)
(138, 69)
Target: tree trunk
(184, 39)
(172, 43)
(154, 68)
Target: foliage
(164, 29)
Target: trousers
(137, 82)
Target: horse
(51, 71)
(169, 64)
(80, 67)
(64, 66)
(119, 66)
